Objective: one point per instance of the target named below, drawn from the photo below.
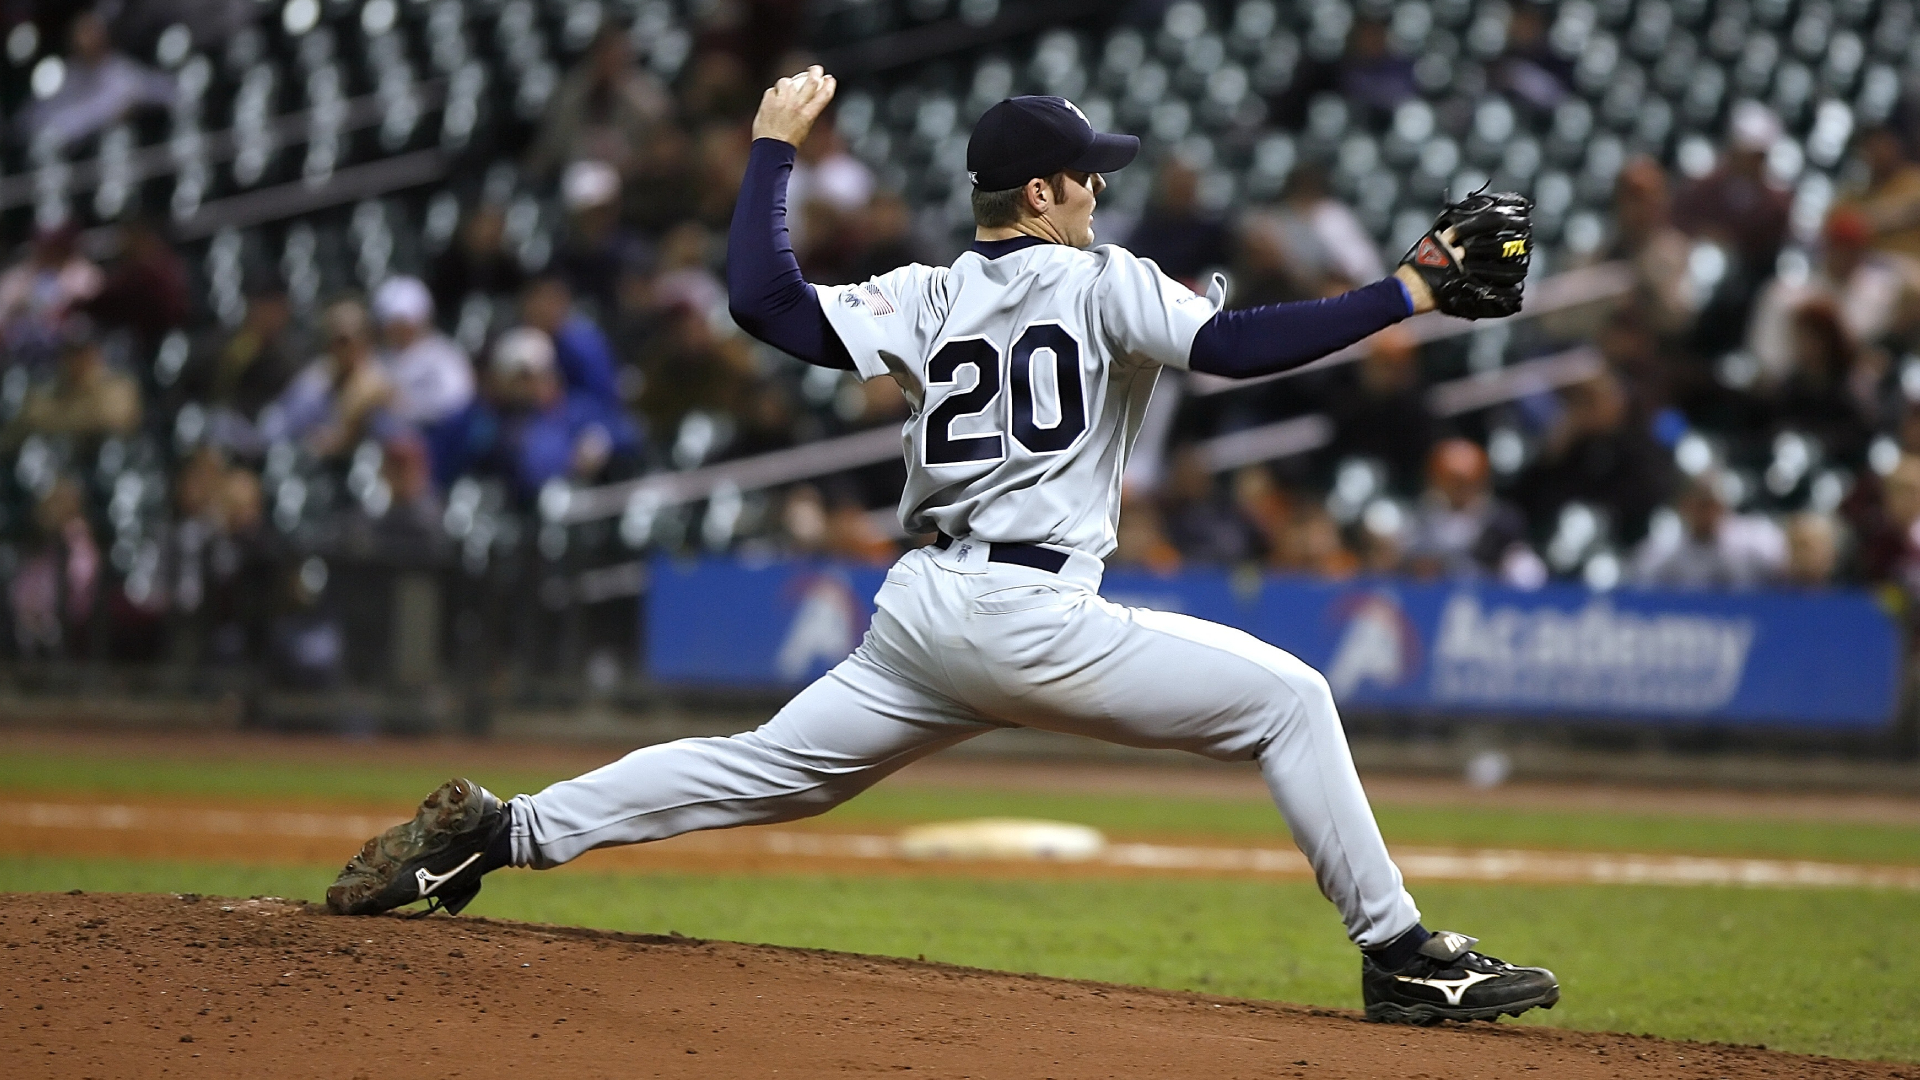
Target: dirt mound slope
(113, 985)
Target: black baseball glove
(1475, 257)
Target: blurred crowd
(1747, 417)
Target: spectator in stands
(179, 583)
(1183, 239)
(1830, 390)
(1310, 246)
(1461, 530)
(52, 591)
(585, 356)
(432, 377)
(837, 526)
(1379, 409)
(666, 187)
(1264, 506)
(1654, 372)
(1311, 544)
(887, 239)
(241, 567)
(338, 399)
(853, 535)
(765, 422)
(607, 109)
(691, 366)
(686, 278)
(541, 429)
(597, 252)
(1890, 202)
(1141, 542)
(1531, 71)
(1372, 76)
(85, 399)
(1644, 235)
(1712, 548)
(1381, 538)
(146, 288)
(39, 293)
(235, 374)
(1293, 527)
(1814, 544)
(1736, 205)
(720, 161)
(830, 187)
(478, 262)
(1201, 522)
(1597, 452)
(1876, 293)
(408, 526)
(803, 521)
(99, 89)
(308, 644)
(1880, 513)
(717, 90)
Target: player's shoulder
(900, 283)
(913, 276)
(1111, 261)
(1119, 271)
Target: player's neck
(1039, 228)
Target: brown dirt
(112, 985)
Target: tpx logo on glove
(1429, 254)
(1512, 248)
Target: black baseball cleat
(438, 857)
(1447, 980)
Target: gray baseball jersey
(1028, 375)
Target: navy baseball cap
(1026, 137)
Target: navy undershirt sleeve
(765, 290)
(1279, 337)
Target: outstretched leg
(836, 738)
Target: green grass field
(1250, 820)
(1819, 971)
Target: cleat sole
(1423, 1014)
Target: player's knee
(1308, 698)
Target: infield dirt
(120, 986)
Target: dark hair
(999, 209)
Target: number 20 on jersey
(1039, 343)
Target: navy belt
(1018, 554)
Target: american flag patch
(876, 301)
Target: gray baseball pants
(960, 646)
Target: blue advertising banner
(1827, 660)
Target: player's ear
(1039, 196)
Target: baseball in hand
(790, 106)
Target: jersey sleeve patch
(867, 298)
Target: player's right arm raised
(766, 293)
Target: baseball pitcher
(1028, 364)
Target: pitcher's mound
(111, 985)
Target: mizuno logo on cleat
(430, 882)
(1452, 988)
